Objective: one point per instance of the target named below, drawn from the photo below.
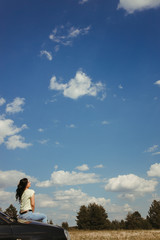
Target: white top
(25, 204)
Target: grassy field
(115, 235)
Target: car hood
(37, 223)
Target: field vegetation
(115, 235)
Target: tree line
(95, 217)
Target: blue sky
(80, 104)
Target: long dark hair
(20, 188)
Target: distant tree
(97, 217)
(92, 217)
(122, 224)
(115, 225)
(146, 224)
(50, 222)
(154, 214)
(65, 225)
(83, 218)
(11, 211)
(1, 209)
(134, 221)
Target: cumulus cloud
(138, 5)
(157, 83)
(6, 198)
(69, 178)
(65, 35)
(131, 184)
(72, 199)
(129, 196)
(47, 54)
(83, 167)
(16, 141)
(2, 101)
(154, 170)
(15, 106)
(8, 134)
(7, 128)
(5, 178)
(43, 200)
(78, 86)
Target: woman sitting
(26, 198)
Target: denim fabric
(34, 216)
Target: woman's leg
(34, 216)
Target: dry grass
(115, 235)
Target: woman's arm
(33, 203)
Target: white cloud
(43, 200)
(6, 198)
(128, 196)
(16, 141)
(116, 209)
(72, 199)
(131, 184)
(54, 85)
(157, 83)
(83, 167)
(83, 1)
(7, 128)
(6, 176)
(56, 48)
(90, 106)
(8, 134)
(55, 167)
(99, 166)
(2, 101)
(69, 178)
(154, 170)
(138, 5)
(156, 153)
(75, 32)
(47, 54)
(57, 143)
(120, 86)
(105, 122)
(78, 86)
(15, 106)
(71, 126)
(152, 149)
(43, 141)
(65, 35)
(40, 130)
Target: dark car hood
(37, 223)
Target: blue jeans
(34, 216)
